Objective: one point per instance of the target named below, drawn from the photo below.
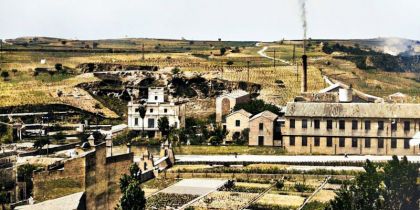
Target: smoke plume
(302, 6)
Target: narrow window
(238, 123)
(136, 121)
(261, 126)
(393, 143)
(380, 143)
(354, 124)
(156, 98)
(151, 110)
(151, 123)
(354, 142)
(316, 141)
(380, 125)
(394, 125)
(367, 124)
(292, 123)
(406, 143)
(342, 142)
(329, 141)
(292, 141)
(406, 125)
(367, 142)
(342, 124)
(165, 110)
(329, 124)
(304, 123)
(304, 141)
(316, 124)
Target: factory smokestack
(304, 86)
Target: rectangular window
(304, 141)
(156, 97)
(304, 123)
(342, 142)
(329, 124)
(367, 142)
(406, 143)
(354, 142)
(367, 124)
(380, 125)
(394, 125)
(151, 123)
(393, 143)
(380, 143)
(329, 141)
(261, 126)
(342, 124)
(136, 121)
(316, 141)
(237, 123)
(292, 141)
(151, 110)
(292, 123)
(406, 125)
(316, 124)
(165, 110)
(354, 124)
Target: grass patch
(227, 150)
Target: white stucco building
(157, 106)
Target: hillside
(35, 78)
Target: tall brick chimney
(304, 86)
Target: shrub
(301, 187)
(279, 184)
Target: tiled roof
(360, 110)
(266, 114)
(241, 111)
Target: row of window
(342, 142)
(260, 125)
(151, 110)
(354, 124)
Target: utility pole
(142, 51)
(248, 68)
(294, 53)
(274, 58)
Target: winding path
(262, 54)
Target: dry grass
(324, 196)
(281, 200)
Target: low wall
(50, 150)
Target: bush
(279, 184)
(301, 187)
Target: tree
(63, 42)
(14, 71)
(95, 45)
(217, 135)
(24, 174)
(3, 200)
(175, 71)
(257, 106)
(5, 75)
(222, 51)
(163, 124)
(229, 63)
(58, 67)
(41, 142)
(132, 196)
(391, 189)
(59, 136)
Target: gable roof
(266, 114)
(350, 110)
(241, 111)
(235, 94)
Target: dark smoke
(302, 4)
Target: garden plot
(198, 187)
(224, 200)
(275, 201)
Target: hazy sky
(209, 19)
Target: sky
(256, 20)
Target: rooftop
(241, 111)
(235, 94)
(350, 110)
(266, 114)
(69, 202)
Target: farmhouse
(236, 122)
(264, 130)
(156, 107)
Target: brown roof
(361, 110)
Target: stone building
(226, 102)
(91, 172)
(236, 122)
(350, 128)
(157, 106)
(264, 130)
